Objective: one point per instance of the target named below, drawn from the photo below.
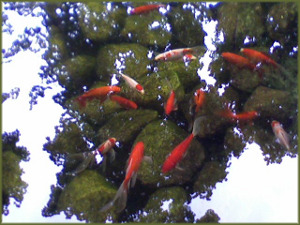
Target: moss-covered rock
(240, 20)
(234, 141)
(125, 125)
(211, 173)
(209, 217)
(160, 138)
(157, 86)
(130, 58)
(186, 27)
(245, 79)
(270, 103)
(147, 29)
(85, 195)
(100, 22)
(167, 205)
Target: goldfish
(280, 134)
(175, 54)
(132, 83)
(100, 93)
(133, 165)
(180, 150)
(257, 56)
(199, 98)
(171, 103)
(124, 102)
(189, 57)
(89, 157)
(244, 116)
(240, 61)
(146, 8)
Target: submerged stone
(209, 217)
(186, 28)
(270, 103)
(147, 29)
(125, 125)
(160, 138)
(167, 205)
(234, 141)
(238, 21)
(131, 59)
(157, 86)
(100, 22)
(85, 195)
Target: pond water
(226, 97)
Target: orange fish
(107, 146)
(132, 83)
(280, 133)
(180, 150)
(99, 93)
(124, 102)
(175, 54)
(199, 98)
(133, 166)
(245, 116)
(171, 103)
(240, 61)
(146, 8)
(257, 56)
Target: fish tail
(119, 200)
(82, 101)
(197, 125)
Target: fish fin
(148, 159)
(82, 101)
(89, 159)
(133, 179)
(197, 125)
(112, 155)
(120, 199)
(179, 168)
(103, 163)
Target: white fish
(132, 83)
(280, 133)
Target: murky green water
(90, 44)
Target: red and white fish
(124, 102)
(133, 84)
(171, 104)
(257, 57)
(199, 98)
(89, 157)
(97, 93)
(133, 165)
(175, 54)
(180, 150)
(146, 8)
(239, 61)
(280, 133)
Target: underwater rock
(234, 141)
(282, 21)
(238, 21)
(167, 205)
(185, 27)
(160, 138)
(100, 22)
(157, 86)
(147, 29)
(211, 173)
(209, 217)
(244, 79)
(85, 195)
(125, 125)
(79, 71)
(270, 103)
(57, 48)
(130, 58)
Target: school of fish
(109, 93)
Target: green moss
(160, 138)
(132, 57)
(85, 195)
(124, 126)
(147, 29)
(177, 211)
(100, 24)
